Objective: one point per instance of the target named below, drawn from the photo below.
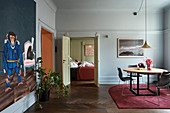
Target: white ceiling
(110, 4)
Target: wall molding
(21, 105)
(112, 30)
(42, 24)
(115, 33)
(109, 10)
(50, 4)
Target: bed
(81, 71)
(85, 73)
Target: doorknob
(64, 61)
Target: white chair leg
(151, 101)
(133, 84)
(142, 82)
(166, 94)
(125, 86)
(119, 82)
(167, 91)
(24, 71)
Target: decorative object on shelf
(89, 50)
(48, 81)
(148, 63)
(130, 47)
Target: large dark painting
(130, 47)
(19, 18)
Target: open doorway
(82, 60)
(47, 49)
(66, 59)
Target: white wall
(123, 24)
(79, 20)
(46, 11)
(45, 16)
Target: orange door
(47, 49)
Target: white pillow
(87, 63)
(73, 65)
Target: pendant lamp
(145, 46)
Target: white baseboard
(115, 80)
(21, 105)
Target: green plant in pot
(46, 82)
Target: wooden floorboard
(84, 97)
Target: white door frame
(42, 24)
(97, 34)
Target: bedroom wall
(115, 24)
(77, 51)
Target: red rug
(134, 102)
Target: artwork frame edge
(85, 50)
(129, 56)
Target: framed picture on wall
(130, 47)
(89, 50)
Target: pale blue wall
(121, 24)
(166, 38)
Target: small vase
(148, 67)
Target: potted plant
(46, 81)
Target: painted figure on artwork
(12, 59)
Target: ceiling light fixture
(145, 46)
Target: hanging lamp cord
(140, 6)
(145, 20)
(135, 13)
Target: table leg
(131, 80)
(158, 88)
(138, 84)
(152, 93)
(148, 82)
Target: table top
(145, 71)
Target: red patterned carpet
(135, 102)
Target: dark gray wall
(18, 16)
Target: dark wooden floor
(84, 97)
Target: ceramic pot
(44, 96)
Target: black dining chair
(164, 82)
(134, 74)
(124, 79)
